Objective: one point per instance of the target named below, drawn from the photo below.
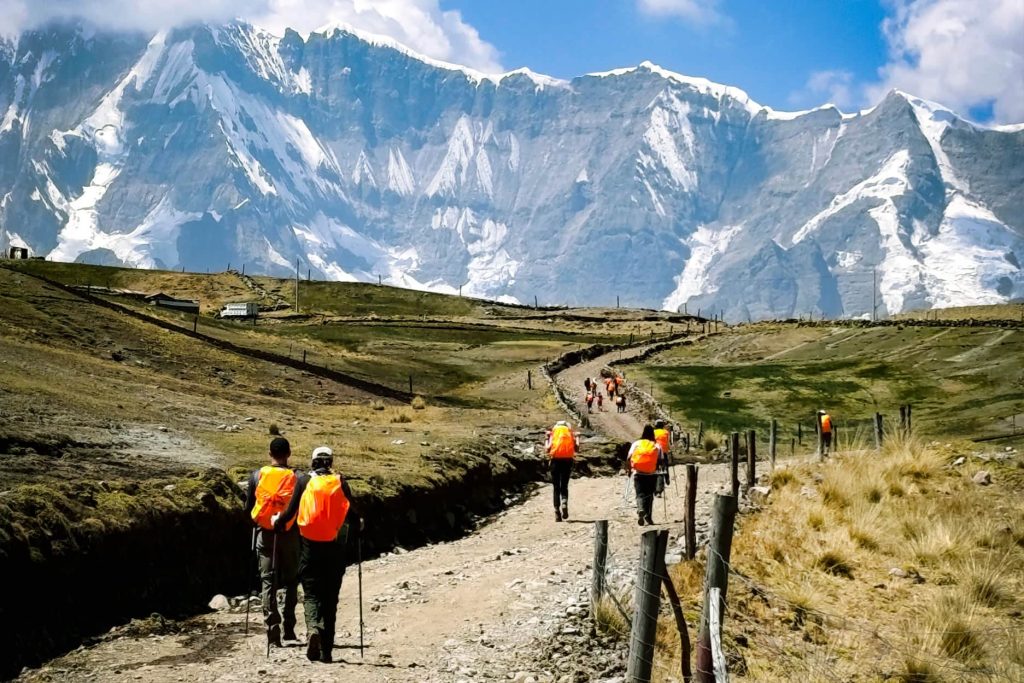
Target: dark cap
(280, 448)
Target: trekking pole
(248, 584)
(359, 571)
(273, 580)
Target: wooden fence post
(691, 512)
(684, 633)
(878, 431)
(195, 324)
(751, 459)
(773, 435)
(821, 437)
(721, 673)
(647, 600)
(910, 421)
(303, 355)
(700, 432)
(529, 380)
(717, 576)
(734, 447)
(799, 433)
(903, 420)
(600, 561)
(410, 385)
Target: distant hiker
(600, 401)
(663, 437)
(825, 425)
(644, 459)
(590, 402)
(562, 445)
(587, 384)
(609, 386)
(270, 490)
(321, 506)
(620, 402)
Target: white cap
(324, 451)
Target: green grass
(960, 381)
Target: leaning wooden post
(410, 385)
(773, 435)
(647, 600)
(691, 512)
(529, 380)
(734, 446)
(878, 431)
(799, 433)
(717, 576)
(751, 459)
(821, 437)
(684, 633)
(600, 561)
(910, 421)
(903, 420)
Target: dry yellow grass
(877, 566)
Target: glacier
(205, 145)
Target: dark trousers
(826, 442)
(322, 567)
(561, 471)
(645, 486)
(284, 575)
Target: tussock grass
(400, 416)
(821, 563)
(418, 403)
(608, 619)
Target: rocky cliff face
(210, 145)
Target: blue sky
(770, 49)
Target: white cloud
(693, 11)
(962, 53)
(420, 24)
(832, 85)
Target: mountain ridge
(363, 159)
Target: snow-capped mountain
(209, 145)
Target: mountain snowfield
(209, 145)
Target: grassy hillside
(965, 382)
(891, 566)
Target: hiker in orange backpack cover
(562, 445)
(320, 508)
(645, 460)
(825, 425)
(270, 488)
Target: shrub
(816, 520)
(782, 478)
(400, 417)
(835, 563)
(377, 405)
(418, 403)
(710, 443)
(274, 431)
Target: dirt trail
(480, 608)
(613, 424)
(474, 609)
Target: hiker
(644, 460)
(609, 385)
(320, 507)
(825, 425)
(620, 402)
(562, 444)
(663, 437)
(600, 401)
(590, 402)
(587, 384)
(270, 489)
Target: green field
(965, 381)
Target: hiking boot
(558, 515)
(325, 654)
(289, 633)
(650, 520)
(313, 647)
(565, 511)
(640, 520)
(274, 635)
